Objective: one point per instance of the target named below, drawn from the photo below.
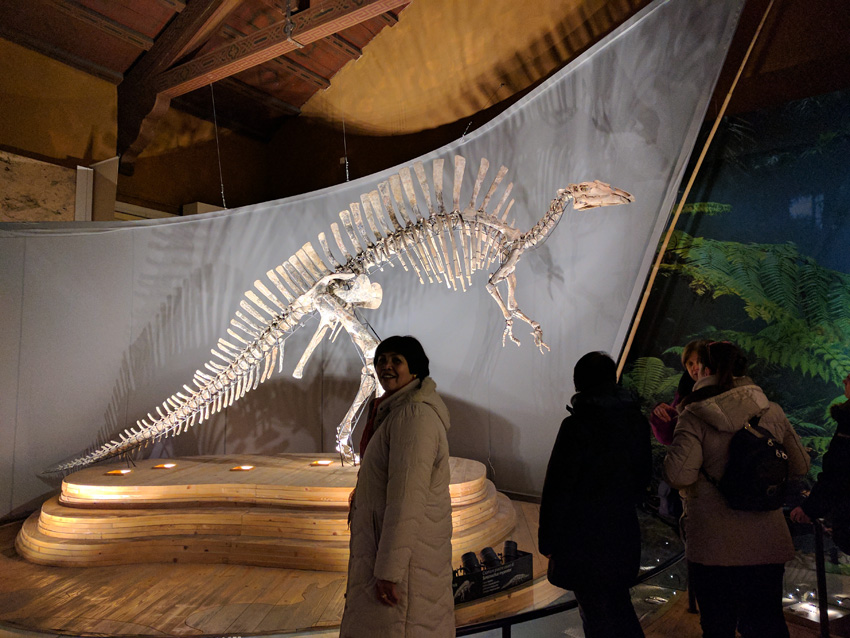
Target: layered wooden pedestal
(284, 512)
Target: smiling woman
(399, 569)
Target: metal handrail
(506, 623)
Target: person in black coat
(830, 496)
(600, 465)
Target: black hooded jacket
(600, 465)
(830, 495)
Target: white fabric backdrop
(102, 321)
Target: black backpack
(756, 475)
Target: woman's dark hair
(725, 360)
(691, 347)
(412, 351)
(595, 371)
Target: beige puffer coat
(401, 521)
(716, 534)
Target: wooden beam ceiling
(266, 44)
(102, 23)
(146, 93)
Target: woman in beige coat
(736, 558)
(399, 569)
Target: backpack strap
(749, 426)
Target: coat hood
(613, 398)
(726, 411)
(425, 392)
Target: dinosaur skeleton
(442, 246)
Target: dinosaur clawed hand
(509, 324)
(538, 340)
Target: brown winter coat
(716, 534)
(401, 523)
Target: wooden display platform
(282, 512)
(161, 599)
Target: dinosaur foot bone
(509, 324)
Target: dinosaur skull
(594, 194)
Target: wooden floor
(194, 600)
(675, 621)
(177, 598)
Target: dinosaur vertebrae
(446, 246)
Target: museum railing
(662, 553)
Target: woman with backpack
(736, 556)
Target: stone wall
(34, 191)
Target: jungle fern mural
(762, 258)
(802, 312)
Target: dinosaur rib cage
(444, 246)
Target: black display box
(467, 587)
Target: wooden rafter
(291, 66)
(40, 46)
(275, 106)
(139, 105)
(174, 5)
(102, 23)
(201, 16)
(389, 17)
(310, 25)
(146, 94)
(346, 47)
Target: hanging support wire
(489, 104)
(345, 149)
(657, 265)
(217, 148)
